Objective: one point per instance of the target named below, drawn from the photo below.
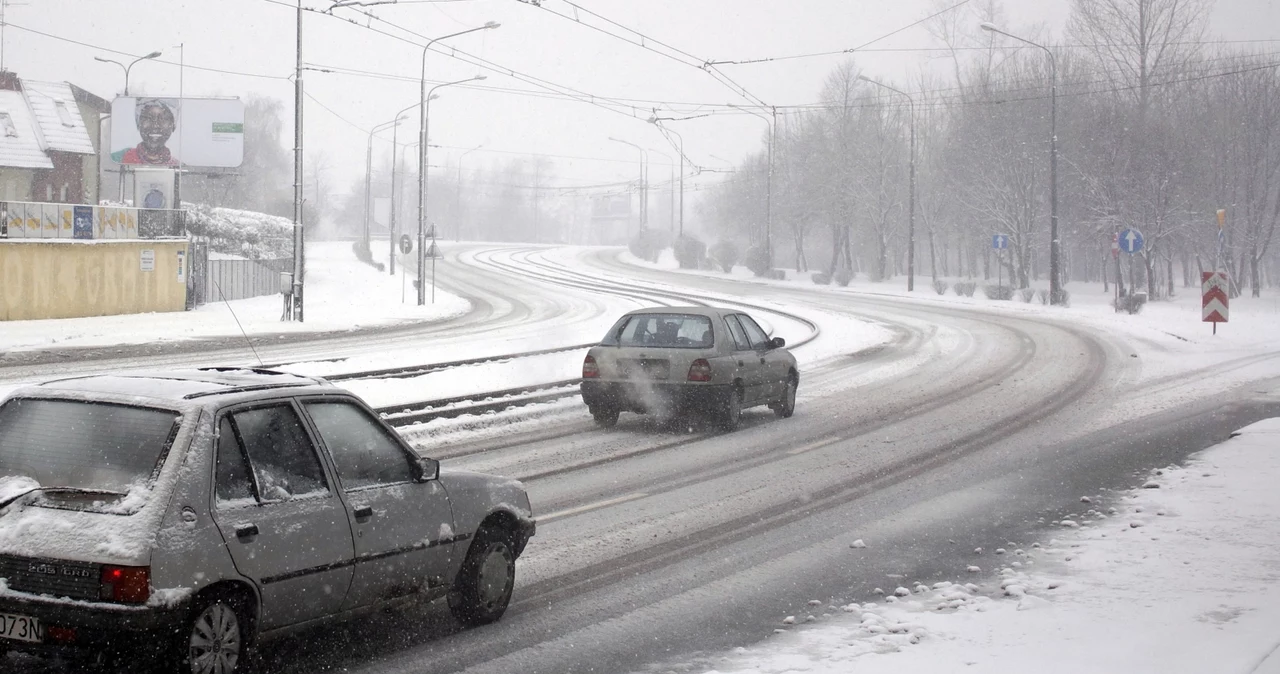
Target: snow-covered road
(926, 428)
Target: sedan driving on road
(193, 513)
(675, 361)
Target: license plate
(20, 628)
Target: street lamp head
(99, 58)
(988, 26)
(864, 78)
(491, 24)
(152, 55)
(653, 120)
(477, 78)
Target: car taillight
(589, 368)
(127, 584)
(700, 370)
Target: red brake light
(127, 584)
(589, 368)
(700, 370)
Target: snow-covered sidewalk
(343, 294)
(1178, 576)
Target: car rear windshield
(679, 331)
(82, 444)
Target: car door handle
(364, 512)
(246, 532)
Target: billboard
(201, 132)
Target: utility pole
(537, 191)
(299, 257)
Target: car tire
(215, 637)
(731, 414)
(786, 405)
(483, 587)
(606, 417)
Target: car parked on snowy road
(193, 513)
(681, 361)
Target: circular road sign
(406, 244)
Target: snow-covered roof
(20, 145)
(178, 384)
(55, 110)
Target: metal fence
(238, 279)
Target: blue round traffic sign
(1130, 241)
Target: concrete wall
(70, 279)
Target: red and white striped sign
(1214, 302)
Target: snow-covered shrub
(995, 292)
(843, 277)
(940, 286)
(757, 260)
(966, 288)
(689, 251)
(821, 278)
(726, 253)
(361, 249)
(1028, 294)
(647, 244)
(1132, 303)
(241, 233)
(1043, 296)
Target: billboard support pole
(299, 258)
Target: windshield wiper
(60, 490)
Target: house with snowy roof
(48, 153)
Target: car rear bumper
(83, 627)
(651, 397)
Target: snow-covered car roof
(178, 386)
(710, 312)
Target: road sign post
(1131, 242)
(1214, 301)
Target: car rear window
(679, 331)
(83, 444)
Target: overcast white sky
(257, 36)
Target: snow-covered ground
(1180, 576)
(342, 294)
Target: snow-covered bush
(361, 249)
(994, 292)
(726, 253)
(821, 278)
(1028, 294)
(689, 251)
(843, 277)
(242, 233)
(940, 286)
(1132, 303)
(1043, 296)
(647, 244)
(966, 288)
(757, 260)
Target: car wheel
(606, 417)
(786, 406)
(484, 584)
(215, 637)
(732, 413)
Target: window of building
(64, 113)
(6, 123)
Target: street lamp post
(671, 164)
(422, 140)
(368, 176)
(1055, 280)
(644, 195)
(911, 218)
(423, 186)
(680, 149)
(457, 194)
(126, 68)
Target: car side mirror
(426, 470)
(777, 343)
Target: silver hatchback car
(675, 361)
(194, 513)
